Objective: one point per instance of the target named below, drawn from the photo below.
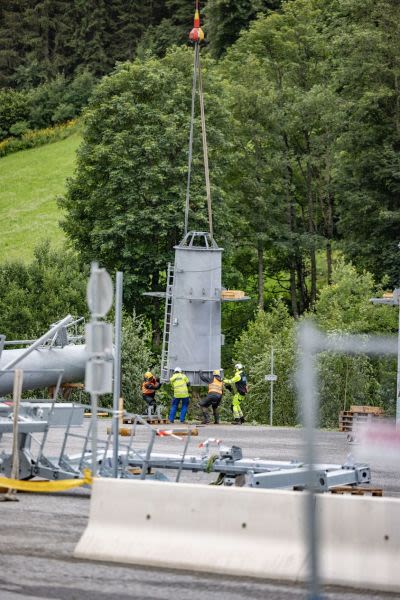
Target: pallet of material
(345, 420)
(357, 415)
(357, 491)
(232, 294)
(367, 410)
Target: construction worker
(180, 384)
(149, 387)
(214, 397)
(239, 380)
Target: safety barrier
(360, 541)
(240, 531)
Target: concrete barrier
(360, 541)
(240, 531)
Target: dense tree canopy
(365, 67)
(34, 296)
(126, 204)
(40, 39)
(227, 18)
(301, 158)
(280, 96)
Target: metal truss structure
(38, 458)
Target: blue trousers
(174, 408)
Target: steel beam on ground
(23, 427)
(289, 478)
(348, 477)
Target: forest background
(303, 113)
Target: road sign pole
(98, 376)
(271, 405)
(94, 404)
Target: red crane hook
(197, 34)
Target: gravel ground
(39, 534)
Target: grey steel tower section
(192, 326)
(43, 366)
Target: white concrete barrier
(360, 541)
(240, 531)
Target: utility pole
(117, 369)
(271, 377)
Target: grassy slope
(30, 181)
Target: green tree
(346, 380)
(170, 27)
(345, 307)
(40, 39)
(125, 205)
(136, 359)
(365, 70)
(343, 379)
(13, 109)
(13, 43)
(225, 19)
(273, 329)
(287, 116)
(34, 296)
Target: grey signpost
(271, 377)
(394, 300)
(99, 367)
(117, 369)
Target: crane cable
(197, 78)
(205, 151)
(196, 61)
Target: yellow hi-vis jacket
(179, 383)
(237, 377)
(241, 386)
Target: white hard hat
(239, 366)
(177, 370)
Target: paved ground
(39, 533)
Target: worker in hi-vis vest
(149, 387)
(239, 380)
(214, 396)
(180, 385)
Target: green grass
(30, 182)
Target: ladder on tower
(167, 323)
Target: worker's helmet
(148, 375)
(177, 370)
(217, 372)
(238, 366)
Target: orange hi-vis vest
(146, 391)
(215, 387)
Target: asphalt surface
(39, 534)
